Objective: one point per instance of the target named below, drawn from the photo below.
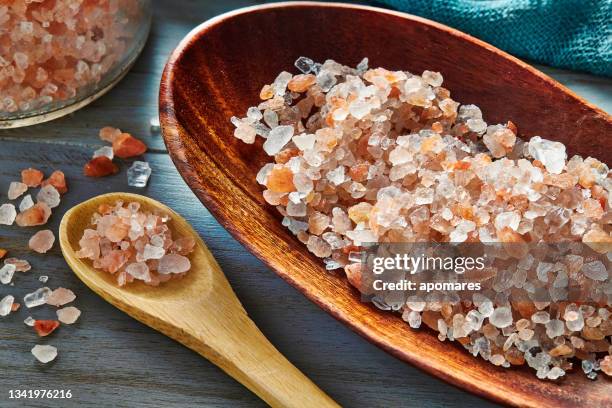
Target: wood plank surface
(107, 359)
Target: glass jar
(58, 56)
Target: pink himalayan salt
(68, 315)
(60, 297)
(135, 245)
(36, 215)
(109, 134)
(21, 265)
(32, 177)
(52, 50)
(42, 241)
(16, 189)
(606, 365)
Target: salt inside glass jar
(57, 56)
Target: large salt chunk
(6, 273)
(60, 296)
(42, 241)
(595, 270)
(138, 174)
(6, 305)
(68, 315)
(173, 263)
(277, 139)
(7, 214)
(16, 189)
(49, 195)
(44, 353)
(37, 298)
(551, 154)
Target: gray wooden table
(108, 359)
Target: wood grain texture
(109, 359)
(200, 310)
(217, 71)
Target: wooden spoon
(200, 311)
(218, 70)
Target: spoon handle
(238, 347)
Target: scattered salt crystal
(106, 151)
(37, 298)
(26, 203)
(138, 174)
(43, 278)
(7, 214)
(42, 241)
(6, 305)
(154, 124)
(68, 315)
(44, 354)
(16, 189)
(29, 321)
(49, 195)
(305, 65)
(60, 297)
(6, 273)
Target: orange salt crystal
(45, 327)
(301, 83)
(284, 156)
(36, 215)
(32, 177)
(266, 92)
(280, 180)
(100, 166)
(353, 274)
(359, 172)
(2, 253)
(109, 133)
(57, 180)
(510, 125)
(126, 146)
(15, 307)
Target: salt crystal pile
(371, 155)
(56, 49)
(42, 241)
(134, 244)
(44, 354)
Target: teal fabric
(574, 34)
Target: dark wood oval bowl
(218, 70)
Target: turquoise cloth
(574, 34)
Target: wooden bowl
(218, 70)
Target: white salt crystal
(432, 78)
(277, 139)
(280, 83)
(554, 328)
(138, 174)
(304, 141)
(414, 319)
(68, 315)
(43, 278)
(6, 273)
(105, 151)
(37, 298)
(7, 214)
(139, 270)
(173, 263)
(152, 252)
(29, 321)
(26, 203)
(326, 80)
(555, 373)
(262, 174)
(477, 125)
(510, 219)
(551, 154)
(362, 66)
(154, 124)
(336, 176)
(501, 317)
(16, 189)
(49, 195)
(304, 64)
(595, 270)
(6, 305)
(44, 354)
